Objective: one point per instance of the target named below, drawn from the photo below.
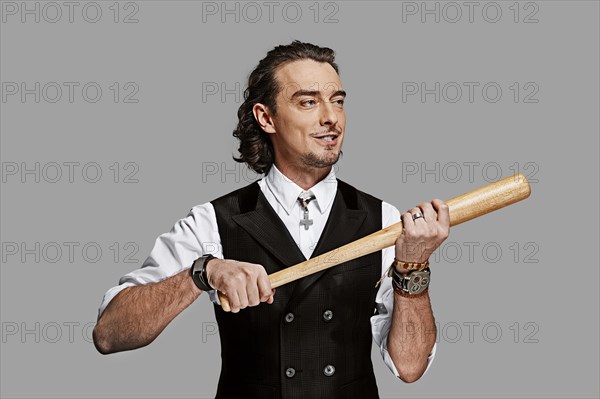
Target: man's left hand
(425, 227)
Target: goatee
(312, 160)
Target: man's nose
(329, 115)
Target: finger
(443, 213)
(417, 211)
(243, 297)
(272, 297)
(428, 212)
(408, 222)
(430, 217)
(253, 293)
(421, 226)
(234, 301)
(264, 287)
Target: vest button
(327, 315)
(329, 370)
(290, 372)
(289, 317)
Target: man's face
(308, 128)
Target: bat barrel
(488, 198)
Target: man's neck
(305, 177)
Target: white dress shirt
(198, 234)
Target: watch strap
(406, 295)
(198, 271)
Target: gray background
(177, 139)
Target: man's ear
(262, 114)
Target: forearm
(412, 335)
(138, 314)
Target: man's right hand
(244, 284)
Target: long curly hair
(256, 148)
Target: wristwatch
(198, 271)
(411, 284)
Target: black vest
(314, 341)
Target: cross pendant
(306, 221)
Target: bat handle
(224, 302)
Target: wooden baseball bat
(462, 208)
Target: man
(312, 338)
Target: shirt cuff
(110, 294)
(387, 359)
(214, 297)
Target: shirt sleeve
(191, 237)
(384, 301)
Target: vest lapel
(262, 223)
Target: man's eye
(308, 103)
(340, 101)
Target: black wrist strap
(198, 271)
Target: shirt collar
(286, 192)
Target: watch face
(418, 282)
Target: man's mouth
(329, 139)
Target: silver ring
(418, 215)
